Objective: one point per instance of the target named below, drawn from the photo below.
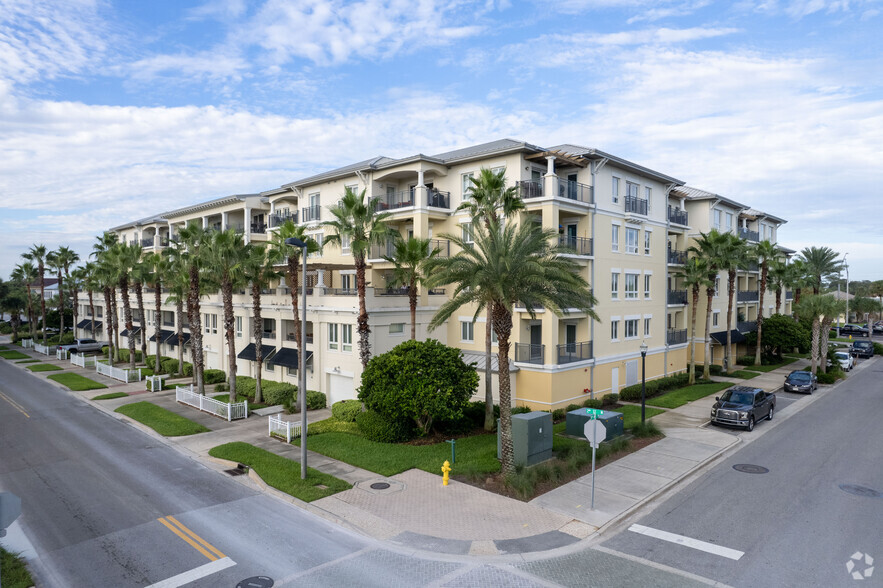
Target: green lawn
(76, 382)
(476, 454)
(631, 415)
(682, 396)
(3, 347)
(110, 396)
(281, 473)
(15, 572)
(744, 374)
(44, 367)
(13, 354)
(29, 361)
(769, 368)
(164, 422)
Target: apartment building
(628, 226)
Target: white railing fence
(155, 383)
(225, 410)
(44, 349)
(83, 361)
(62, 353)
(122, 374)
(283, 428)
(27, 343)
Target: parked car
(846, 360)
(743, 406)
(83, 346)
(863, 349)
(801, 381)
(850, 329)
(878, 329)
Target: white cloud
(213, 66)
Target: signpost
(595, 432)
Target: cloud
(211, 66)
(798, 9)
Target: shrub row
(654, 387)
(377, 428)
(346, 410)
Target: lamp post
(302, 360)
(643, 376)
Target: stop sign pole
(595, 432)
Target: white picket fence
(44, 349)
(83, 361)
(61, 353)
(225, 410)
(122, 374)
(155, 383)
(27, 343)
(283, 428)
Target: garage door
(340, 388)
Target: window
(647, 280)
(631, 286)
(499, 169)
(717, 286)
(269, 367)
(493, 337)
(466, 184)
(614, 330)
(466, 229)
(332, 336)
(99, 312)
(729, 218)
(647, 236)
(615, 190)
(347, 281)
(631, 328)
(614, 238)
(717, 219)
(346, 337)
(314, 200)
(318, 238)
(239, 326)
(715, 318)
(614, 285)
(396, 328)
(345, 243)
(211, 324)
(632, 189)
(467, 333)
(631, 240)
(646, 327)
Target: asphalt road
(795, 525)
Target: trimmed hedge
(745, 360)
(214, 377)
(522, 410)
(346, 410)
(170, 366)
(377, 428)
(593, 403)
(332, 425)
(316, 400)
(654, 387)
(609, 399)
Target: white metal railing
(62, 353)
(83, 361)
(27, 343)
(155, 383)
(122, 374)
(226, 410)
(44, 349)
(283, 428)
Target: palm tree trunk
(42, 271)
(731, 290)
(412, 301)
(706, 368)
(127, 313)
(362, 320)
(115, 317)
(92, 312)
(139, 297)
(229, 325)
(824, 333)
(30, 313)
(60, 307)
(258, 332)
(76, 311)
(763, 275)
(157, 303)
(293, 287)
(196, 330)
(814, 351)
(489, 424)
(503, 322)
(179, 323)
(778, 299)
(693, 335)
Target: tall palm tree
(509, 265)
(90, 284)
(765, 252)
(358, 219)
(821, 263)
(75, 280)
(832, 309)
(26, 273)
(194, 237)
(488, 200)
(732, 257)
(696, 275)
(104, 275)
(156, 268)
(708, 247)
(177, 280)
(814, 308)
(409, 260)
(777, 279)
(37, 254)
(54, 263)
(12, 300)
(65, 258)
(140, 273)
(124, 260)
(259, 269)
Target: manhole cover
(379, 486)
(256, 582)
(747, 468)
(860, 490)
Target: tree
(781, 333)
(90, 284)
(708, 247)
(796, 278)
(813, 308)
(194, 237)
(13, 301)
(156, 268)
(37, 254)
(56, 265)
(358, 220)
(259, 272)
(105, 277)
(832, 309)
(820, 263)
(423, 381)
(124, 258)
(509, 265)
(178, 284)
(696, 275)
(777, 279)
(766, 253)
(140, 273)
(409, 260)
(26, 273)
(732, 257)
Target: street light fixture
(643, 376)
(302, 360)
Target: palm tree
(13, 301)
(696, 275)
(104, 276)
(813, 308)
(797, 278)
(156, 266)
(194, 237)
(90, 283)
(54, 263)
(177, 280)
(488, 199)
(65, 257)
(259, 269)
(140, 273)
(832, 309)
(765, 252)
(26, 273)
(359, 221)
(777, 277)
(708, 247)
(75, 280)
(37, 254)
(821, 263)
(509, 265)
(124, 260)
(732, 257)
(409, 260)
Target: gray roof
(758, 213)
(485, 149)
(692, 193)
(592, 153)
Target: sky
(114, 110)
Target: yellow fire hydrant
(446, 469)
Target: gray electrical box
(576, 422)
(531, 438)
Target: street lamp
(302, 361)
(643, 376)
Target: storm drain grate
(239, 470)
(379, 486)
(747, 468)
(863, 491)
(256, 582)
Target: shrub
(647, 429)
(188, 369)
(332, 425)
(376, 427)
(5, 328)
(521, 410)
(572, 407)
(275, 392)
(593, 403)
(745, 360)
(214, 377)
(558, 415)
(124, 355)
(346, 410)
(655, 387)
(830, 377)
(316, 400)
(609, 399)
(169, 365)
(222, 387)
(878, 349)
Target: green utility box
(531, 438)
(576, 422)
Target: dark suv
(854, 330)
(863, 349)
(742, 406)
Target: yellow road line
(205, 543)
(14, 404)
(192, 543)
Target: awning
(288, 357)
(136, 331)
(250, 352)
(173, 339)
(83, 323)
(87, 324)
(163, 335)
(721, 337)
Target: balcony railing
(530, 189)
(746, 326)
(749, 235)
(677, 297)
(390, 291)
(311, 213)
(148, 242)
(582, 245)
(438, 199)
(575, 191)
(528, 353)
(676, 336)
(677, 216)
(789, 295)
(396, 200)
(436, 291)
(383, 250)
(636, 205)
(570, 352)
(278, 218)
(258, 228)
(291, 336)
(443, 246)
(747, 296)
(677, 257)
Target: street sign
(595, 432)
(10, 508)
(594, 412)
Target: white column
(320, 281)
(420, 178)
(224, 220)
(683, 200)
(205, 222)
(550, 162)
(247, 224)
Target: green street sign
(594, 412)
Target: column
(247, 224)
(225, 217)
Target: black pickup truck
(742, 406)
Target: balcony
(581, 245)
(311, 213)
(438, 199)
(259, 227)
(436, 291)
(390, 291)
(394, 200)
(677, 297)
(291, 336)
(148, 242)
(575, 191)
(746, 326)
(677, 216)
(749, 235)
(341, 292)
(789, 295)
(528, 353)
(278, 218)
(676, 336)
(571, 352)
(530, 189)
(383, 250)
(443, 246)
(636, 205)
(747, 296)
(676, 257)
